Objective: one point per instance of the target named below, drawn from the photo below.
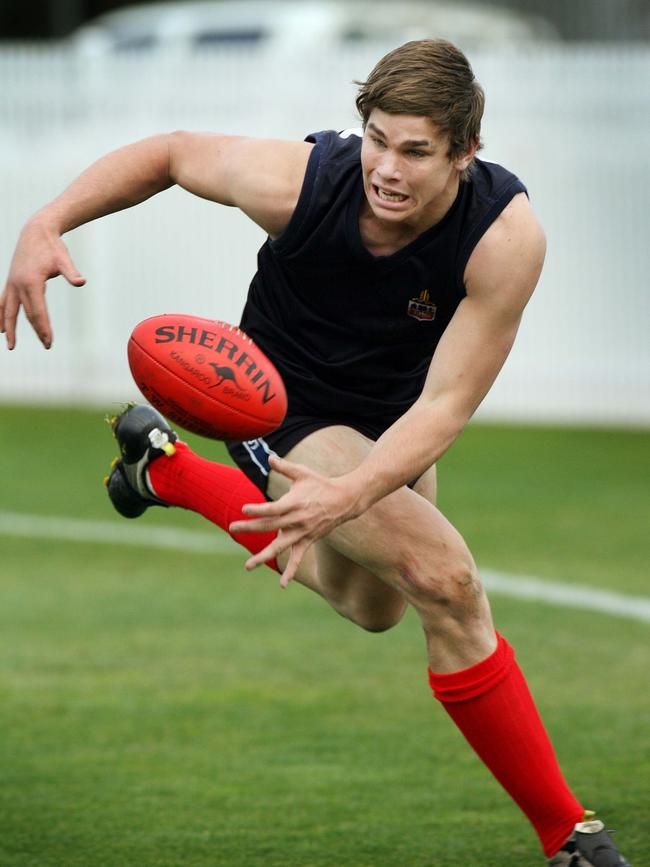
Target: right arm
(261, 177)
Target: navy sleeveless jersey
(353, 334)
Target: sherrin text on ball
(206, 376)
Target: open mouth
(388, 196)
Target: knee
(379, 621)
(364, 599)
(451, 583)
(373, 615)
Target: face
(408, 177)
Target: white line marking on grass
(174, 538)
(568, 595)
(108, 532)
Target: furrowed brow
(409, 143)
(374, 128)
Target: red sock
(492, 706)
(214, 490)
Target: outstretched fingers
(312, 507)
(36, 312)
(287, 468)
(296, 554)
(32, 300)
(262, 517)
(8, 314)
(39, 256)
(297, 547)
(68, 269)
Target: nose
(389, 166)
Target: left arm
(500, 277)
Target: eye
(416, 153)
(378, 142)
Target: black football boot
(143, 435)
(589, 846)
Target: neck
(385, 237)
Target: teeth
(390, 197)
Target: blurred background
(568, 110)
(160, 706)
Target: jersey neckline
(353, 214)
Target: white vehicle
(302, 26)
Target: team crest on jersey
(421, 308)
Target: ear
(462, 162)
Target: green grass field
(167, 708)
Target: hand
(313, 507)
(40, 254)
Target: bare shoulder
(507, 261)
(261, 177)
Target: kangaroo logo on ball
(224, 373)
(215, 380)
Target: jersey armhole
(290, 237)
(475, 235)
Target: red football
(206, 376)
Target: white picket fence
(574, 124)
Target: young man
(388, 294)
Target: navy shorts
(252, 456)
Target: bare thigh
(351, 587)
(401, 551)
